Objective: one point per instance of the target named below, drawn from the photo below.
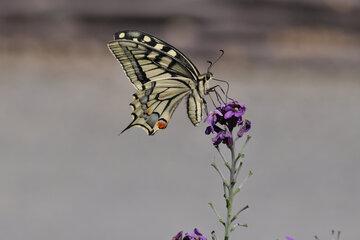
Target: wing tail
(153, 107)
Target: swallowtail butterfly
(162, 76)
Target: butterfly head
(203, 83)
(208, 76)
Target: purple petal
(247, 125)
(197, 232)
(227, 108)
(228, 114)
(229, 141)
(178, 236)
(216, 111)
(217, 129)
(217, 139)
(239, 113)
(209, 119)
(212, 117)
(208, 130)
(227, 133)
(190, 236)
(245, 128)
(221, 136)
(195, 235)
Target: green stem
(230, 188)
(230, 197)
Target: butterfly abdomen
(195, 107)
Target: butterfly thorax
(203, 83)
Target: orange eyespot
(161, 124)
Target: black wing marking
(154, 105)
(160, 45)
(144, 57)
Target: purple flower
(289, 238)
(234, 109)
(213, 129)
(178, 236)
(208, 130)
(244, 128)
(195, 235)
(223, 136)
(224, 119)
(213, 116)
(233, 112)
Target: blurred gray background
(65, 174)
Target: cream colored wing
(162, 75)
(154, 105)
(144, 57)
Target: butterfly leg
(211, 99)
(217, 94)
(213, 89)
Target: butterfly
(162, 76)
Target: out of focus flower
(289, 238)
(178, 236)
(194, 235)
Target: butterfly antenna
(210, 65)
(218, 58)
(212, 100)
(217, 95)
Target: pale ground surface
(66, 175)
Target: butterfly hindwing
(154, 105)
